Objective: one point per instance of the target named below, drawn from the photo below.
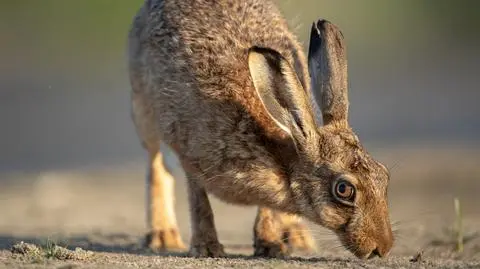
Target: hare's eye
(344, 190)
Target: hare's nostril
(374, 253)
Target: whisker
(339, 246)
(399, 237)
(415, 217)
(397, 232)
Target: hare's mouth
(359, 250)
(364, 255)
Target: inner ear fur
(282, 95)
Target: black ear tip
(272, 56)
(320, 24)
(252, 49)
(255, 49)
(264, 51)
(318, 28)
(259, 50)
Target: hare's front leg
(204, 241)
(162, 222)
(276, 234)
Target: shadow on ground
(86, 243)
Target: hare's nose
(384, 242)
(379, 252)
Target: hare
(225, 84)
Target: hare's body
(191, 65)
(192, 90)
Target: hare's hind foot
(296, 233)
(162, 221)
(270, 249)
(268, 241)
(278, 234)
(165, 240)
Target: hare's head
(334, 181)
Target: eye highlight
(344, 191)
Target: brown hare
(226, 85)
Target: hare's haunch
(225, 84)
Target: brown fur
(226, 85)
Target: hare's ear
(281, 93)
(327, 65)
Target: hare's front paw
(270, 249)
(204, 250)
(165, 240)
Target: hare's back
(212, 38)
(197, 51)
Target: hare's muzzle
(370, 241)
(383, 241)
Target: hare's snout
(382, 248)
(384, 239)
(379, 243)
(368, 237)
(378, 248)
(384, 242)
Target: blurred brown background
(64, 105)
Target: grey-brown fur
(226, 85)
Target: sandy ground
(102, 209)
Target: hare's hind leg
(276, 234)
(267, 233)
(161, 217)
(163, 231)
(295, 232)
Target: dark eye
(344, 191)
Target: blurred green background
(64, 90)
